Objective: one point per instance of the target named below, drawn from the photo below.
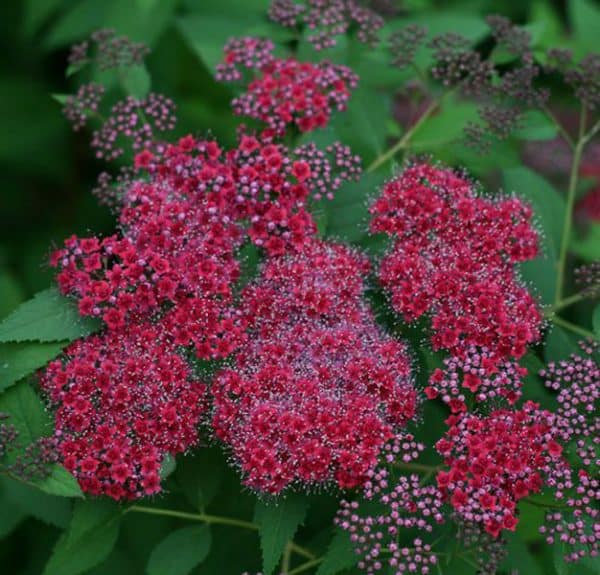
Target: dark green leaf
(588, 246)
(49, 316)
(88, 541)
(26, 412)
(60, 482)
(548, 207)
(560, 344)
(31, 501)
(136, 81)
(596, 320)
(180, 551)
(277, 523)
(340, 555)
(536, 126)
(19, 359)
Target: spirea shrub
(394, 340)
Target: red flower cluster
(124, 400)
(476, 372)
(453, 257)
(317, 390)
(286, 91)
(182, 227)
(497, 460)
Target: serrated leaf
(49, 316)
(22, 358)
(89, 539)
(31, 501)
(340, 555)
(60, 482)
(277, 524)
(180, 551)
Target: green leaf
(91, 536)
(560, 344)
(31, 501)
(561, 566)
(11, 294)
(60, 482)
(585, 19)
(167, 466)
(20, 359)
(49, 316)
(10, 518)
(519, 556)
(26, 412)
(348, 212)
(536, 126)
(588, 246)
(548, 207)
(277, 524)
(79, 20)
(340, 555)
(201, 477)
(180, 551)
(362, 125)
(596, 320)
(445, 126)
(136, 81)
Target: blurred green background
(47, 172)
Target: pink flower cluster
(577, 525)
(124, 400)
(285, 91)
(318, 389)
(403, 504)
(453, 258)
(496, 460)
(485, 378)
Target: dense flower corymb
(318, 389)
(453, 257)
(124, 400)
(286, 91)
(497, 460)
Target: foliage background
(46, 172)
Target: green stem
(301, 551)
(566, 302)
(286, 560)
(403, 142)
(213, 519)
(306, 566)
(572, 327)
(568, 218)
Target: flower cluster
(476, 372)
(327, 19)
(404, 504)
(453, 257)
(81, 106)
(134, 122)
(577, 525)
(284, 91)
(124, 400)
(496, 460)
(108, 51)
(318, 389)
